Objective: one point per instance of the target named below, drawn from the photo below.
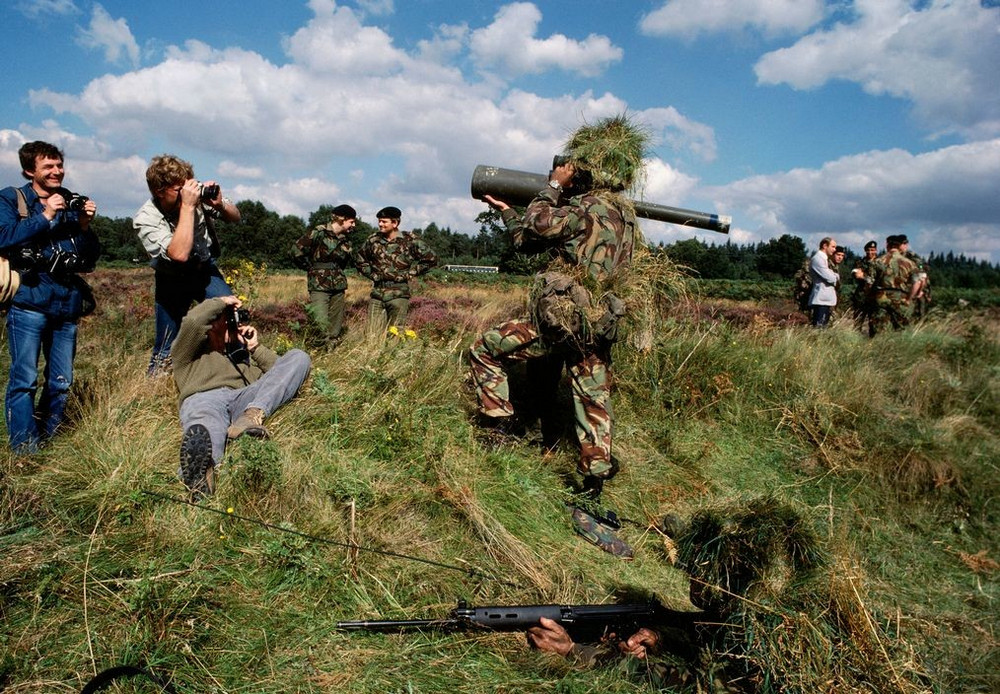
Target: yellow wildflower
(411, 334)
(393, 330)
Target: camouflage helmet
(610, 150)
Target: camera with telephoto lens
(236, 348)
(235, 317)
(208, 193)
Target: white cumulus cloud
(688, 18)
(942, 55)
(111, 36)
(936, 194)
(509, 44)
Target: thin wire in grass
(469, 571)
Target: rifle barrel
(520, 188)
(396, 624)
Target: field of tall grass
(887, 448)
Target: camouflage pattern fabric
(862, 296)
(604, 536)
(891, 292)
(921, 303)
(390, 264)
(593, 233)
(324, 256)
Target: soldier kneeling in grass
(228, 383)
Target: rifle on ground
(585, 623)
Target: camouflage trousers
(327, 310)
(385, 312)
(891, 308)
(590, 377)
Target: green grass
(888, 448)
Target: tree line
(265, 237)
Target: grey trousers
(217, 409)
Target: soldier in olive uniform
(572, 312)
(894, 276)
(920, 294)
(324, 253)
(864, 276)
(389, 258)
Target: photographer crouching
(45, 235)
(228, 384)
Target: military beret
(345, 211)
(871, 244)
(389, 213)
(891, 239)
(902, 239)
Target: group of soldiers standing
(389, 258)
(890, 290)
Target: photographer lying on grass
(228, 383)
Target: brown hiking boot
(251, 423)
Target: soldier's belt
(389, 283)
(325, 266)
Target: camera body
(57, 261)
(208, 193)
(74, 201)
(235, 317)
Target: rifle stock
(583, 622)
(520, 188)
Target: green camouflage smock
(390, 264)
(324, 256)
(921, 302)
(597, 234)
(894, 275)
(861, 297)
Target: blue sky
(853, 119)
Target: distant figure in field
(823, 296)
(324, 253)
(176, 229)
(389, 258)
(864, 278)
(228, 383)
(893, 288)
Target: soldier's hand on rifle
(498, 204)
(640, 643)
(549, 636)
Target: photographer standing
(45, 234)
(228, 383)
(175, 228)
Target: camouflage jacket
(894, 273)
(595, 231)
(324, 256)
(390, 264)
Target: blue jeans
(174, 294)
(31, 334)
(217, 409)
(821, 315)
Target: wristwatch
(555, 185)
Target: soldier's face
(387, 226)
(871, 253)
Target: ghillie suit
(576, 305)
(786, 616)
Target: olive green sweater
(198, 369)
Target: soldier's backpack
(802, 287)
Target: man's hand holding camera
(62, 200)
